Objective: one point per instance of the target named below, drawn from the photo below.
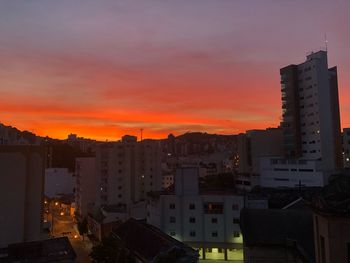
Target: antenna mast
(141, 130)
(326, 41)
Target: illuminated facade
(208, 221)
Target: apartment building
(85, 185)
(205, 220)
(311, 122)
(127, 170)
(21, 193)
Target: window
(172, 206)
(214, 234)
(236, 234)
(236, 220)
(119, 196)
(192, 206)
(214, 220)
(235, 207)
(172, 233)
(192, 233)
(213, 208)
(192, 220)
(172, 219)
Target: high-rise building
(310, 107)
(127, 170)
(21, 193)
(85, 185)
(311, 125)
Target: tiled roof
(147, 242)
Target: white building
(207, 221)
(282, 172)
(311, 119)
(85, 191)
(21, 193)
(127, 170)
(58, 181)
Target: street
(63, 225)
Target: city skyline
(108, 69)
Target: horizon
(103, 70)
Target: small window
(214, 234)
(192, 220)
(236, 220)
(236, 234)
(172, 233)
(172, 219)
(172, 206)
(192, 206)
(214, 220)
(193, 233)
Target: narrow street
(63, 225)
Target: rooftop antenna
(141, 130)
(326, 42)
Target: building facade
(251, 146)
(310, 115)
(58, 181)
(85, 187)
(207, 221)
(22, 193)
(127, 170)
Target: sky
(102, 69)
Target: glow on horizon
(108, 68)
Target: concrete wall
(58, 181)
(21, 193)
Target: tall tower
(310, 111)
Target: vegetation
(110, 250)
(83, 227)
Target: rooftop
(147, 242)
(50, 250)
(276, 227)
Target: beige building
(127, 170)
(85, 187)
(21, 193)
(251, 146)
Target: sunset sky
(102, 69)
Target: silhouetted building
(58, 250)
(148, 244)
(332, 222)
(277, 236)
(21, 193)
(251, 146)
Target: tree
(83, 227)
(110, 250)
